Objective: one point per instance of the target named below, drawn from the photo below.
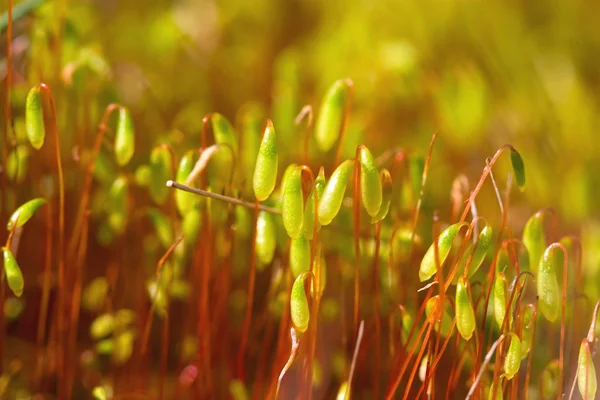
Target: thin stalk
(530, 356)
(486, 361)
(377, 307)
(41, 331)
(251, 282)
(433, 366)
(61, 238)
(290, 361)
(306, 112)
(343, 127)
(359, 337)
(356, 220)
(148, 326)
(87, 185)
(75, 307)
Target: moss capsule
(299, 305)
(299, 256)
(465, 316)
(534, 239)
(386, 196)
(428, 266)
(24, 213)
(499, 297)
(102, 326)
(124, 137)
(495, 391)
(478, 255)
(527, 334)
(586, 372)
(518, 167)
(309, 208)
(14, 277)
(434, 315)
(185, 201)
(331, 201)
(224, 132)
(265, 238)
(512, 360)
(162, 227)
(370, 184)
(292, 204)
(16, 164)
(160, 167)
(265, 170)
(547, 285)
(34, 118)
(331, 115)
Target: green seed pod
(586, 372)
(158, 297)
(105, 346)
(331, 115)
(331, 201)
(123, 318)
(190, 226)
(123, 347)
(309, 208)
(299, 256)
(143, 175)
(124, 137)
(24, 213)
(237, 390)
(243, 222)
(428, 265)
(224, 132)
(343, 392)
(94, 294)
(527, 334)
(499, 297)
(104, 168)
(14, 277)
(292, 204)
(299, 310)
(386, 197)
(16, 164)
(118, 204)
(534, 239)
(495, 392)
(465, 316)
(34, 118)
(547, 285)
(102, 326)
(265, 238)
(286, 175)
(162, 226)
(549, 380)
(484, 242)
(519, 168)
(370, 184)
(13, 308)
(252, 121)
(160, 167)
(99, 393)
(265, 172)
(446, 315)
(185, 201)
(512, 360)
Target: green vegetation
(199, 205)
